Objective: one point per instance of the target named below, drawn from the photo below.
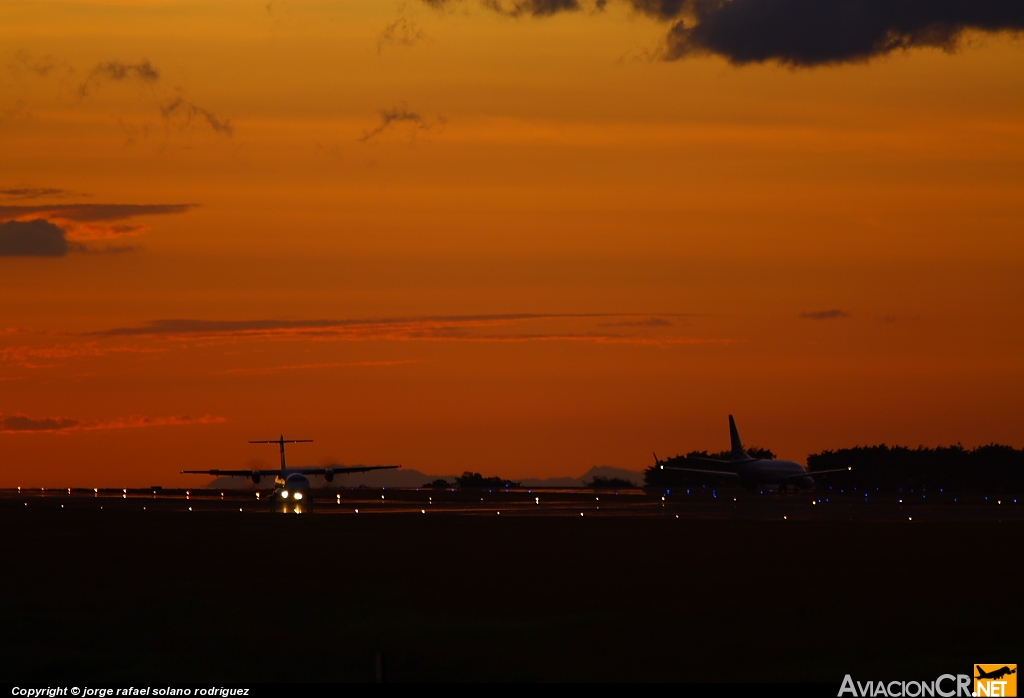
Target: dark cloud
(181, 109)
(825, 314)
(24, 63)
(535, 8)
(401, 32)
(389, 117)
(91, 213)
(800, 32)
(35, 193)
(19, 422)
(142, 71)
(36, 238)
(818, 32)
(660, 9)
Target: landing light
(284, 494)
(298, 495)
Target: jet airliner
(995, 674)
(291, 486)
(755, 471)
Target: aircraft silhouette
(994, 674)
(291, 486)
(755, 471)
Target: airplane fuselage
(772, 472)
(291, 493)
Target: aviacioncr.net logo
(946, 686)
(995, 680)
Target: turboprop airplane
(291, 486)
(755, 471)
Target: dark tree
(439, 484)
(470, 480)
(992, 468)
(610, 483)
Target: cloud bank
(56, 229)
(817, 32)
(799, 33)
(35, 238)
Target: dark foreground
(165, 596)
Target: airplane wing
(341, 470)
(231, 473)
(304, 471)
(705, 472)
(822, 472)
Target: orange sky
(455, 239)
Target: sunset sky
(520, 238)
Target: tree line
(991, 468)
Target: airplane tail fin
(738, 454)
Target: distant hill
(414, 478)
(637, 478)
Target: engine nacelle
(329, 475)
(255, 478)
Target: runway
(695, 503)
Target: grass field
(123, 595)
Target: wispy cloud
(468, 328)
(142, 72)
(36, 193)
(80, 222)
(90, 213)
(833, 314)
(397, 115)
(646, 322)
(401, 32)
(535, 8)
(22, 424)
(41, 356)
(24, 62)
(175, 109)
(427, 325)
(267, 370)
(186, 114)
